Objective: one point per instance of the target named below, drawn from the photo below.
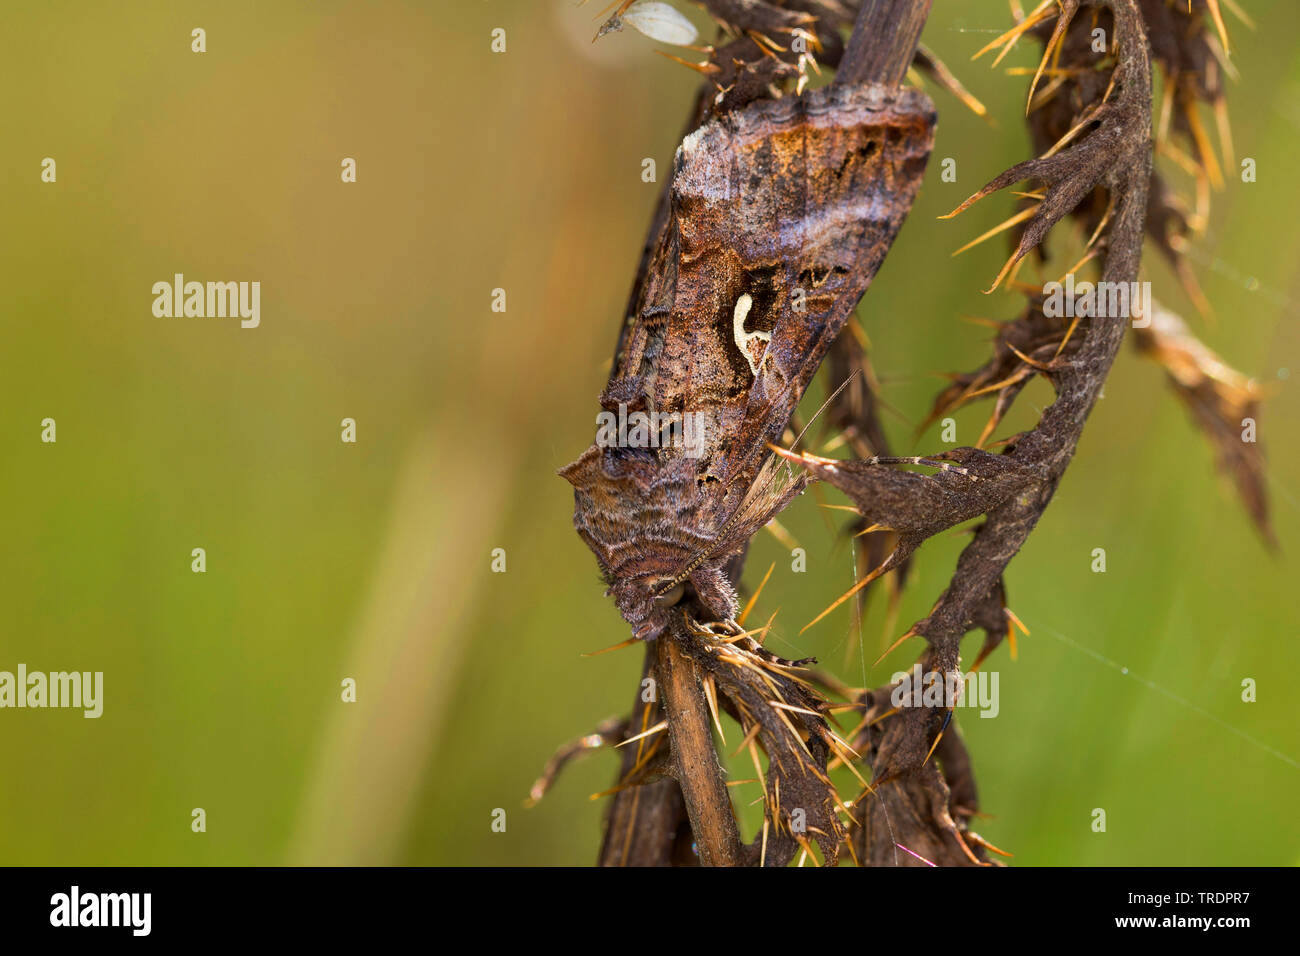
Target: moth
(778, 216)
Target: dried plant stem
(696, 761)
(884, 41)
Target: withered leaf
(1115, 141)
(1220, 399)
(918, 810)
(1034, 343)
(969, 483)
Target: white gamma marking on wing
(743, 338)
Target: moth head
(646, 601)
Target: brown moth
(779, 215)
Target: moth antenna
(834, 395)
(701, 556)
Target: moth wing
(793, 203)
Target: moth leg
(716, 593)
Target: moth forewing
(778, 217)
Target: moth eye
(671, 596)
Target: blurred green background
(328, 560)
